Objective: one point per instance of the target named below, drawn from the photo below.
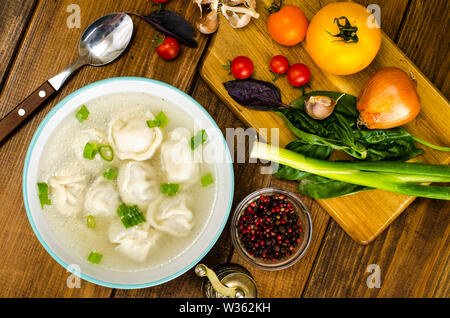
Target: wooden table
(36, 43)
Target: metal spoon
(101, 43)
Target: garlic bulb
(319, 107)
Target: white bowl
(139, 279)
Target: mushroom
(233, 2)
(236, 20)
(209, 23)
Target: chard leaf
(255, 94)
(319, 187)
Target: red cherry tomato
(241, 67)
(279, 64)
(167, 47)
(298, 74)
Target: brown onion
(389, 99)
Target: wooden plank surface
(408, 247)
(14, 17)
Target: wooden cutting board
(364, 215)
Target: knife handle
(18, 115)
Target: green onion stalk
(397, 177)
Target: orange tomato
(288, 26)
(332, 53)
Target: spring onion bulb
(381, 175)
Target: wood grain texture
(424, 36)
(408, 247)
(40, 275)
(364, 215)
(14, 17)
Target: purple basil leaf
(255, 94)
(172, 24)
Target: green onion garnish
(130, 215)
(106, 152)
(90, 150)
(43, 194)
(90, 221)
(160, 120)
(206, 180)
(94, 258)
(199, 139)
(110, 173)
(82, 114)
(170, 188)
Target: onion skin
(389, 99)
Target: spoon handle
(15, 117)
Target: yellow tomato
(338, 50)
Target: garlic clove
(319, 107)
(209, 23)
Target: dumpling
(177, 158)
(132, 138)
(134, 242)
(171, 215)
(68, 193)
(137, 184)
(102, 198)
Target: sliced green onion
(199, 139)
(90, 221)
(90, 150)
(106, 152)
(110, 173)
(94, 258)
(82, 114)
(206, 180)
(160, 120)
(43, 194)
(170, 188)
(130, 215)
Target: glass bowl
(305, 235)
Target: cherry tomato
(279, 64)
(167, 47)
(298, 74)
(288, 26)
(241, 67)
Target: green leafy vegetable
(207, 180)
(90, 150)
(110, 173)
(170, 188)
(392, 176)
(94, 257)
(160, 120)
(130, 215)
(340, 131)
(90, 221)
(43, 194)
(82, 114)
(106, 152)
(200, 138)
